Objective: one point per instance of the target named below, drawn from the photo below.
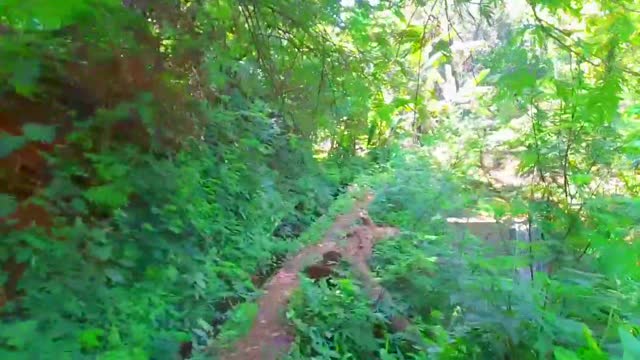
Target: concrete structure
(503, 236)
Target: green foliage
(338, 321)
(164, 260)
(402, 199)
(156, 238)
(189, 144)
(35, 132)
(8, 205)
(332, 323)
(31, 133)
(467, 295)
(239, 323)
(630, 344)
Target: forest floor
(352, 236)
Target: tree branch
(549, 29)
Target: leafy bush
(170, 164)
(167, 263)
(157, 157)
(340, 322)
(468, 297)
(412, 194)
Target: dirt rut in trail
(270, 336)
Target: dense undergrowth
(159, 159)
(151, 178)
(168, 264)
(465, 299)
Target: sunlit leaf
(561, 353)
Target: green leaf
(384, 355)
(482, 75)
(592, 344)
(114, 275)
(623, 27)
(125, 354)
(19, 334)
(91, 339)
(219, 10)
(528, 159)
(109, 196)
(10, 143)
(204, 325)
(582, 179)
(634, 109)
(45, 15)
(561, 353)
(181, 336)
(25, 76)
(519, 207)
(630, 344)
(113, 339)
(40, 133)
(79, 205)
(24, 254)
(8, 205)
(102, 252)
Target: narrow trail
(270, 336)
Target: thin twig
(403, 33)
(422, 43)
(548, 29)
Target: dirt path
(270, 337)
